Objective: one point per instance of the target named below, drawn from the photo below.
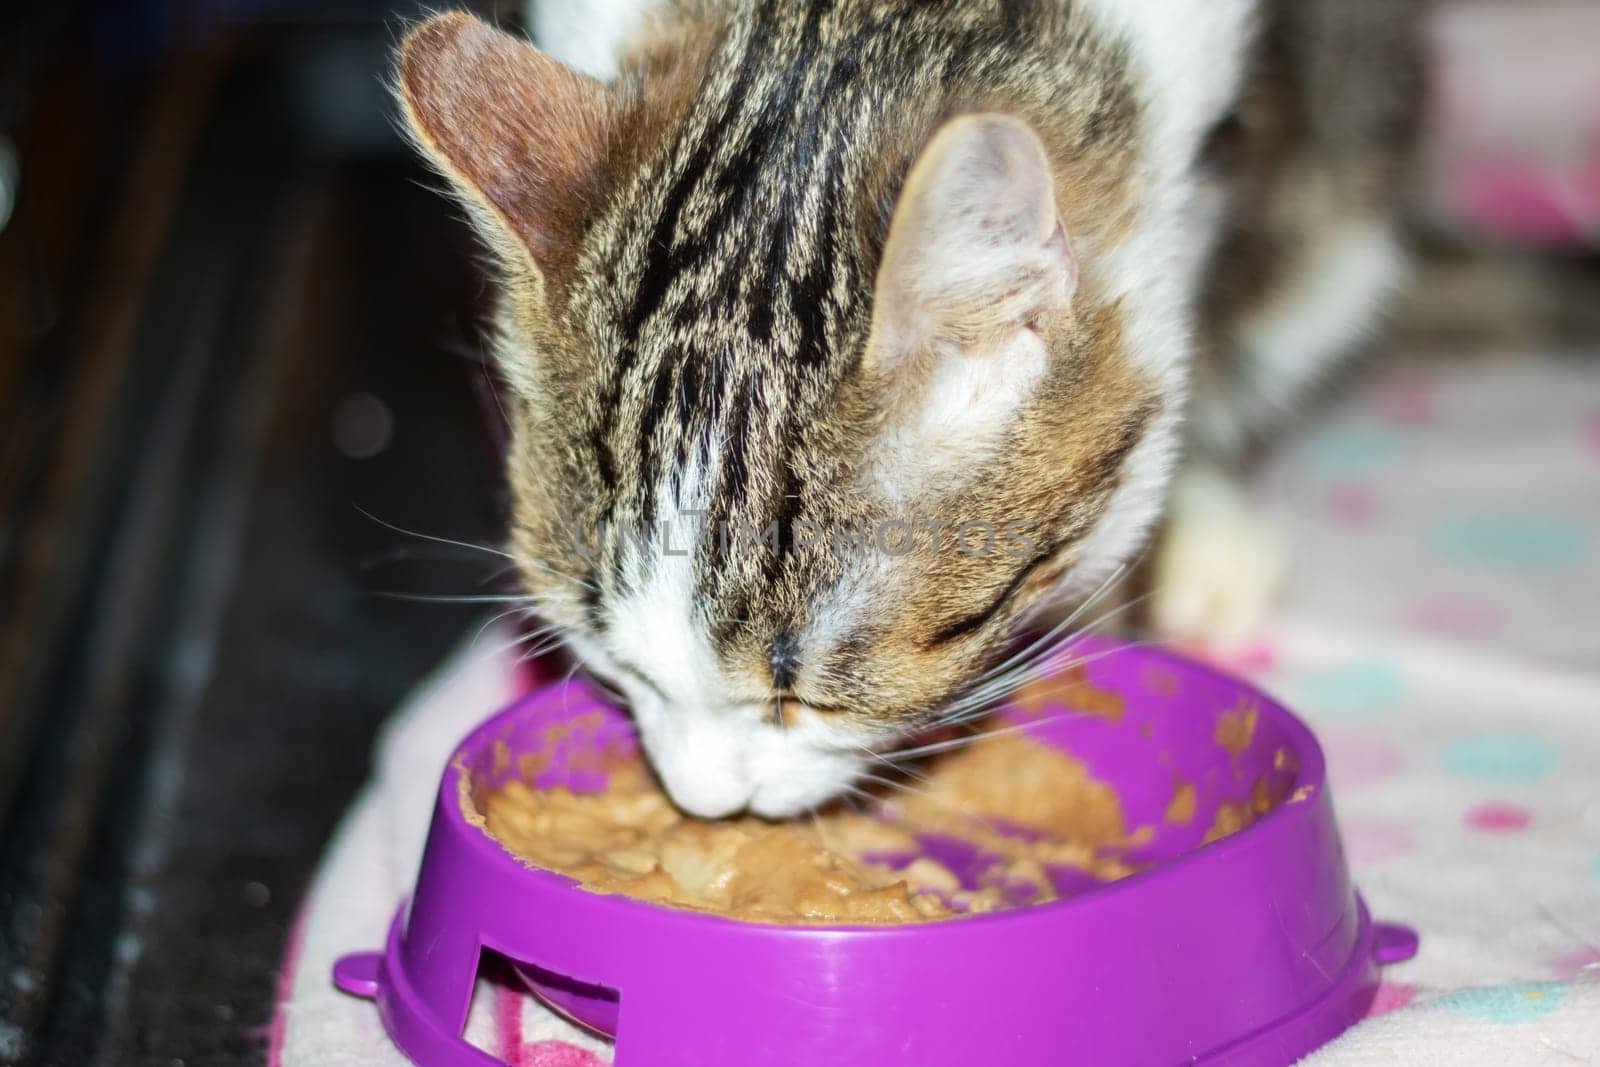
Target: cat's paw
(1218, 566)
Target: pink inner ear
(976, 248)
(1059, 248)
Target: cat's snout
(714, 767)
(709, 796)
(705, 775)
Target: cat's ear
(976, 249)
(976, 268)
(519, 135)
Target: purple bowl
(1254, 949)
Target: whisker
(402, 553)
(974, 738)
(479, 598)
(970, 714)
(566, 695)
(854, 794)
(1038, 653)
(891, 764)
(515, 560)
(476, 637)
(895, 785)
(436, 540)
(498, 573)
(1055, 659)
(550, 644)
(1088, 602)
(536, 634)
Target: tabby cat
(843, 336)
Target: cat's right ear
(519, 135)
(977, 270)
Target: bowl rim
(1293, 811)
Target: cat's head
(815, 389)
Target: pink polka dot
(1357, 759)
(1448, 616)
(1591, 433)
(1574, 965)
(1256, 658)
(1373, 841)
(1405, 402)
(1352, 503)
(1513, 200)
(1496, 818)
(1392, 996)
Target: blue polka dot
(1514, 543)
(1368, 685)
(1342, 453)
(1502, 757)
(1520, 1003)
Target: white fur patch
(1328, 304)
(1188, 61)
(658, 626)
(717, 750)
(590, 35)
(970, 401)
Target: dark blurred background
(237, 338)
(240, 375)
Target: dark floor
(235, 355)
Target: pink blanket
(1441, 634)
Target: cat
(842, 337)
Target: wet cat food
(1023, 822)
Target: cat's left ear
(521, 136)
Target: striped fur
(691, 326)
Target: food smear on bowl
(1003, 822)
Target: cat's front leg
(1304, 180)
(1219, 562)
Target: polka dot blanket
(1441, 633)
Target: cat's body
(896, 267)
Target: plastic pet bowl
(1254, 949)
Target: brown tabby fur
(1324, 135)
(691, 259)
